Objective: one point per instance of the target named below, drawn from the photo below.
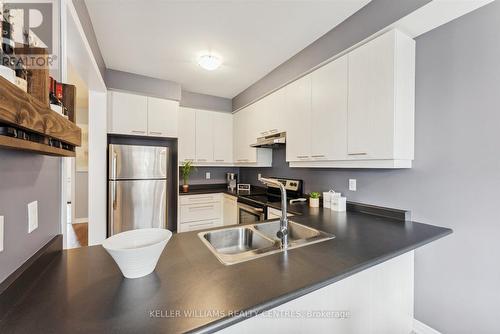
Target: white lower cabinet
(230, 209)
(197, 212)
(198, 225)
(275, 213)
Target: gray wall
(455, 178)
(142, 84)
(81, 204)
(26, 177)
(217, 175)
(203, 101)
(375, 16)
(164, 89)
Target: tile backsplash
(217, 175)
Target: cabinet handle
(242, 160)
(202, 159)
(194, 208)
(360, 153)
(220, 160)
(138, 131)
(155, 132)
(201, 198)
(202, 224)
(302, 156)
(318, 156)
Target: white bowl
(136, 252)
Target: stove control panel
(291, 185)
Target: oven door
(250, 214)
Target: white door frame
(76, 50)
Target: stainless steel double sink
(233, 245)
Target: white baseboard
(421, 328)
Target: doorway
(83, 215)
(77, 180)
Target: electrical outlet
(259, 176)
(352, 184)
(32, 216)
(1, 233)
(207, 175)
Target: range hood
(271, 141)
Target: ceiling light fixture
(209, 62)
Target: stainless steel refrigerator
(137, 187)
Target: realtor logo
(27, 34)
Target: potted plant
(186, 170)
(314, 199)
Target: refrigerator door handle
(113, 165)
(114, 183)
(113, 195)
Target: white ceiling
(162, 38)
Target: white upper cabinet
(244, 135)
(361, 110)
(329, 111)
(298, 115)
(222, 137)
(245, 126)
(204, 136)
(269, 113)
(381, 98)
(163, 117)
(133, 114)
(127, 114)
(187, 134)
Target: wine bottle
(52, 92)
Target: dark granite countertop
(82, 290)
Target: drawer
(199, 225)
(202, 211)
(230, 197)
(273, 213)
(196, 199)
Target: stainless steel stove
(253, 207)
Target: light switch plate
(352, 184)
(207, 175)
(1, 233)
(32, 216)
(259, 176)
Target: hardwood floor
(78, 235)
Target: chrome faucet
(282, 234)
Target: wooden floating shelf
(22, 111)
(26, 145)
